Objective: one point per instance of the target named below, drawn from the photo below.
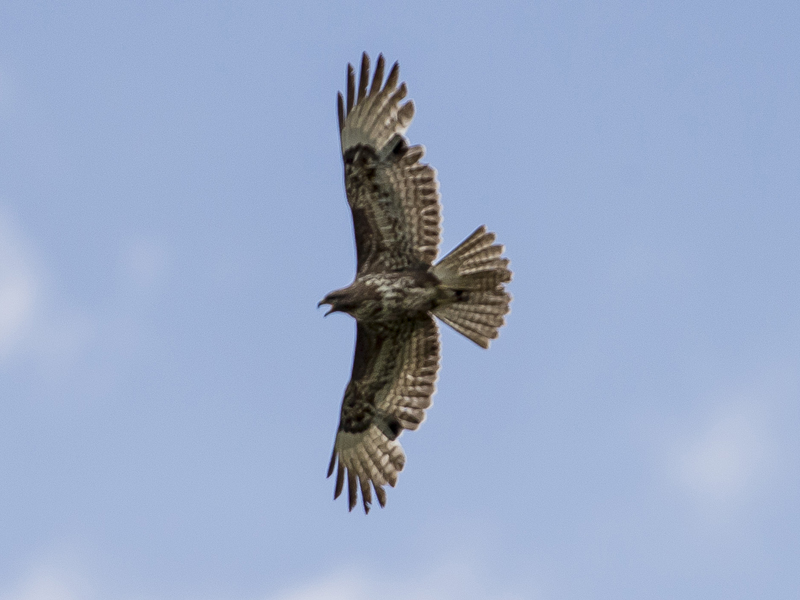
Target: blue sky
(172, 210)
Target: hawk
(398, 289)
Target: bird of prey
(394, 200)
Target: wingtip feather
(377, 78)
(340, 111)
(339, 481)
(332, 464)
(351, 87)
(381, 494)
(352, 490)
(363, 79)
(394, 76)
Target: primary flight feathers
(375, 116)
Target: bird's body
(388, 297)
(394, 200)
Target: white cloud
(43, 329)
(722, 461)
(727, 458)
(19, 290)
(340, 586)
(49, 582)
(455, 579)
(31, 326)
(741, 448)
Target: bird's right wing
(394, 377)
(394, 198)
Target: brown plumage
(394, 200)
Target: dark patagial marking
(367, 158)
(400, 147)
(394, 427)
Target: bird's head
(339, 301)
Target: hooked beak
(325, 301)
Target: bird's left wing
(394, 377)
(394, 197)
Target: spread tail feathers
(473, 276)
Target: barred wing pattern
(393, 197)
(393, 379)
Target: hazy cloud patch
(50, 581)
(340, 586)
(453, 579)
(20, 289)
(31, 325)
(721, 462)
(50, 335)
(731, 453)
